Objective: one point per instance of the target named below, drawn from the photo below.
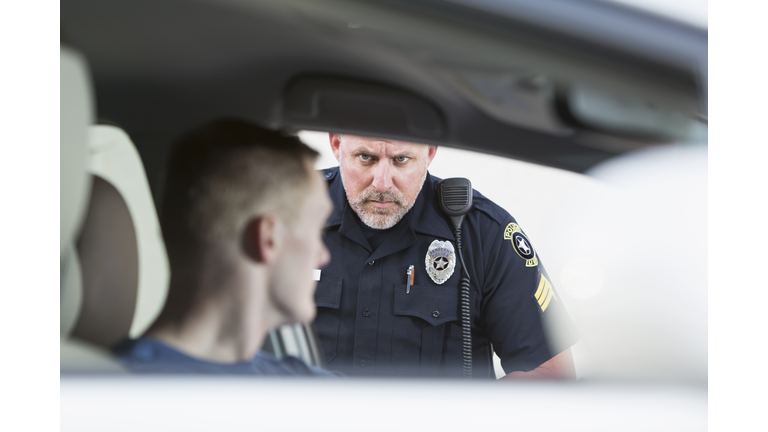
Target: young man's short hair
(223, 174)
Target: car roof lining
(162, 66)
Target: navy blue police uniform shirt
(149, 355)
(369, 324)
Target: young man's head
(242, 212)
(381, 177)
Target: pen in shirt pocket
(409, 279)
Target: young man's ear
(262, 238)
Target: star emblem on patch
(521, 244)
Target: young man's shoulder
(150, 355)
(289, 366)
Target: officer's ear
(431, 154)
(262, 238)
(335, 140)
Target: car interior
(532, 82)
(562, 84)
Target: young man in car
(374, 318)
(241, 212)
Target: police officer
(388, 303)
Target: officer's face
(301, 251)
(381, 177)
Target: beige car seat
(76, 114)
(114, 269)
(99, 298)
(109, 260)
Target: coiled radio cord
(466, 329)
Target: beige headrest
(115, 159)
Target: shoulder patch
(544, 294)
(521, 244)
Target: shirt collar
(427, 217)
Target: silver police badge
(440, 261)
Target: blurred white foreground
(249, 404)
(633, 267)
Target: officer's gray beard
(381, 218)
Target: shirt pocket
(328, 301)
(421, 318)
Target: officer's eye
(365, 157)
(401, 159)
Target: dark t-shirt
(149, 355)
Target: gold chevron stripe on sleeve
(549, 298)
(542, 288)
(544, 293)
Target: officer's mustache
(374, 195)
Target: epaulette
(490, 208)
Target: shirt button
(435, 314)
(366, 313)
(363, 363)
(371, 262)
(328, 175)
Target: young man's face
(302, 251)
(381, 177)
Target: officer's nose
(382, 177)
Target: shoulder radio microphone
(455, 197)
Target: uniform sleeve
(519, 305)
